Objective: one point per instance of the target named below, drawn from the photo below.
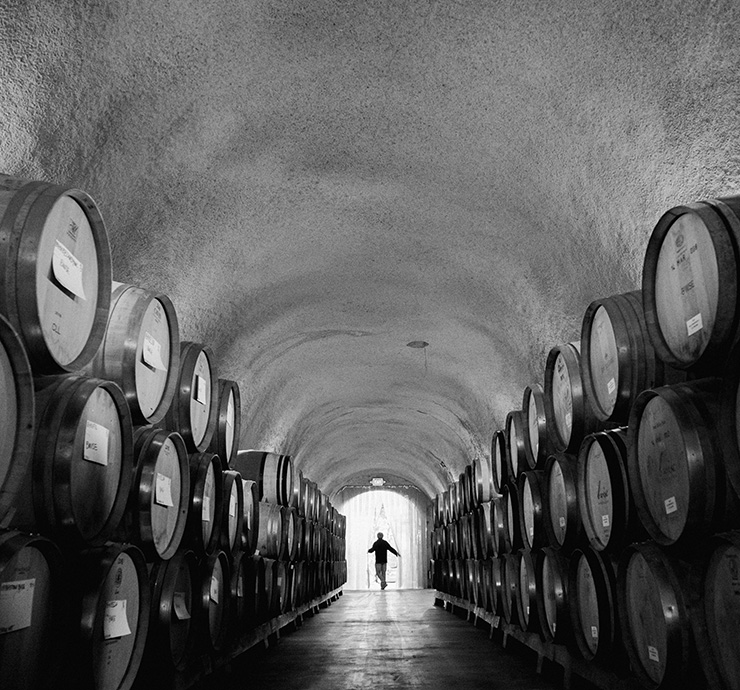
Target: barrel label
(230, 412)
(653, 654)
(163, 490)
(16, 605)
(232, 505)
(605, 520)
(562, 521)
(96, 443)
(115, 623)
(670, 505)
(611, 386)
(152, 352)
(206, 512)
(201, 394)
(67, 270)
(694, 324)
(181, 606)
(594, 632)
(214, 589)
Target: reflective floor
(389, 639)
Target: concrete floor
(391, 639)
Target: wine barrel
(530, 490)
(483, 490)
(618, 360)
(206, 503)
(225, 440)
(536, 435)
(274, 476)
(690, 284)
(270, 539)
(499, 464)
(568, 411)
(718, 629)
(516, 431)
(214, 601)
(729, 420)
(675, 465)
(193, 410)
(656, 628)
(454, 502)
(140, 351)
(288, 541)
(35, 616)
(562, 517)
(232, 513)
(608, 512)
(172, 634)
(251, 525)
(83, 460)
(261, 604)
(551, 574)
(55, 272)
(510, 514)
(160, 493)
(486, 531)
(115, 617)
(17, 422)
(592, 594)
(527, 610)
(510, 588)
(497, 583)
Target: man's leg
(380, 573)
(383, 568)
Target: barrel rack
(556, 653)
(266, 634)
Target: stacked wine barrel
(612, 520)
(130, 542)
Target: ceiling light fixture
(418, 344)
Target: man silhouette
(381, 548)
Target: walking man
(381, 548)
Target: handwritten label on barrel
(594, 632)
(201, 394)
(16, 605)
(214, 589)
(96, 443)
(653, 654)
(152, 352)
(67, 270)
(611, 386)
(605, 520)
(230, 412)
(163, 490)
(694, 324)
(232, 505)
(206, 512)
(562, 521)
(115, 623)
(181, 606)
(670, 505)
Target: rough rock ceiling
(317, 183)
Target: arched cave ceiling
(317, 183)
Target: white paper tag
(568, 418)
(16, 605)
(214, 590)
(163, 490)
(670, 505)
(115, 623)
(611, 386)
(554, 626)
(605, 520)
(653, 654)
(232, 506)
(594, 632)
(96, 443)
(206, 512)
(67, 270)
(694, 324)
(531, 531)
(230, 412)
(152, 352)
(562, 521)
(181, 607)
(200, 390)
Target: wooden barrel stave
(202, 530)
(225, 440)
